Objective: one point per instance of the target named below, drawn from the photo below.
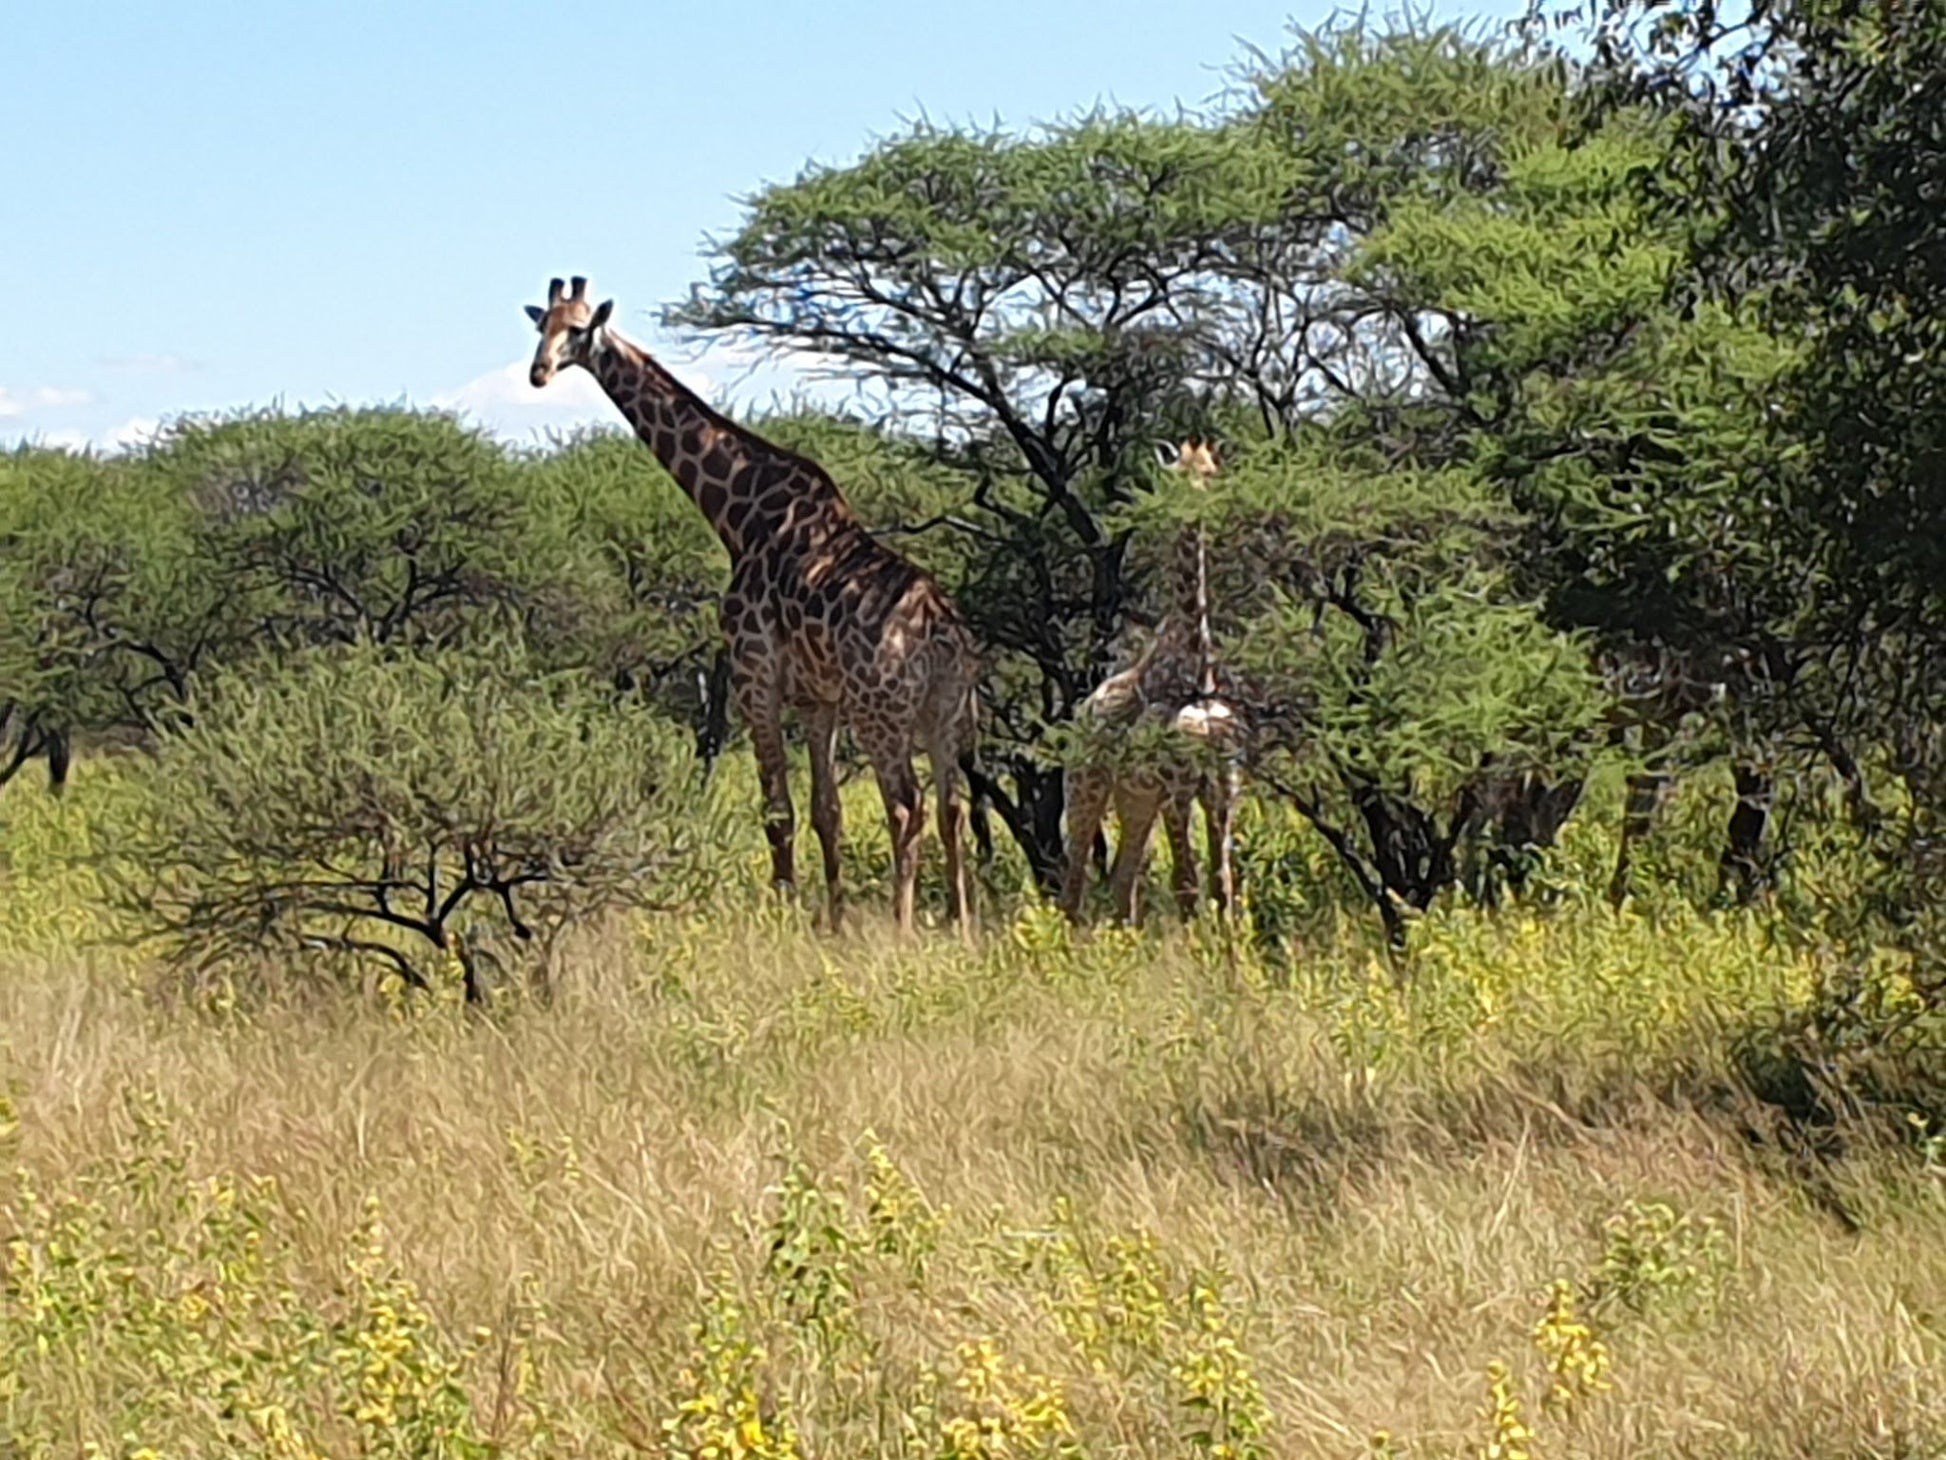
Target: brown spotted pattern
(820, 617)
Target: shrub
(407, 812)
(108, 600)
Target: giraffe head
(1194, 458)
(567, 327)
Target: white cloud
(730, 377)
(135, 431)
(506, 404)
(54, 398)
(41, 398)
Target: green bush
(338, 525)
(109, 602)
(424, 815)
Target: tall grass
(742, 1188)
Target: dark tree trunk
(1413, 856)
(470, 977)
(1526, 816)
(1032, 813)
(1743, 871)
(1644, 795)
(59, 756)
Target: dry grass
(1390, 1181)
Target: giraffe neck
(1189, 605)
(742, 483)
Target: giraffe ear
(536, 313)
(1168, 453)
(602, 311)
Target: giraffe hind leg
(821, 726)
(947, 751)
(762, 711)
(1220, 812)
(1087, 796)
(905, 815)
(1132, 855)
(1177, 812)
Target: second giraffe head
(1193, 458)
(567, 325)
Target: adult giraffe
(1172, 688)
(820, 617)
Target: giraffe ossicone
(820, 617)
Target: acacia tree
(125, 579)
(633, 599)
(109, 603)
(387, 809)
(1399, 691)
(347, 525)
(1630, 431)
(1042, 306)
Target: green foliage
(1395, 677)
(1416, 111)
(1653, 1255)
(1467, 677)
(634, 597)
(809, 1243)
(52, 894)
(342, 525)
(402, 810)
(1031, 298)
(1517, 259)
(108, 600)
(1055, 301)
(1502, 484)
(125, 579)
(1801, 183)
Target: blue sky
(209, 204)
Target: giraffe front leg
(821, 728)
(1644, 792)
(1220, 808)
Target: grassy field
(743, 1189)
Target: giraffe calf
(1167, 740)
